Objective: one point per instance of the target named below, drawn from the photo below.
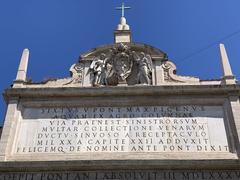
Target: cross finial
(122, 8)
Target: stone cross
(122, 8)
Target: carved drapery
(121, 66)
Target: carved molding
(170, 74)
(77, 73)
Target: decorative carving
(171, 77)
(121, 66)
(168, 68)
(77, 73)
(144, 63)
(98, 69)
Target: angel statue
(144, 63)
(98, 70)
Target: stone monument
(123, 114)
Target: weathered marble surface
(126, 175)
(214, 96)
(157, 125)
(122, 129)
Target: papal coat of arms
(118, 65)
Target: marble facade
(123, 113)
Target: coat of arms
(115, 67)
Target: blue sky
(58, 31)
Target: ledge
(120, 164)
(123, 91)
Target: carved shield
(122, 65)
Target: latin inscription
(125, 175)
(122, 129)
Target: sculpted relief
(98, 70)
(77, 71)
(121, 66)
(118, 65)
(144, 63)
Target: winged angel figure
(144, 62)
(98, 69)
